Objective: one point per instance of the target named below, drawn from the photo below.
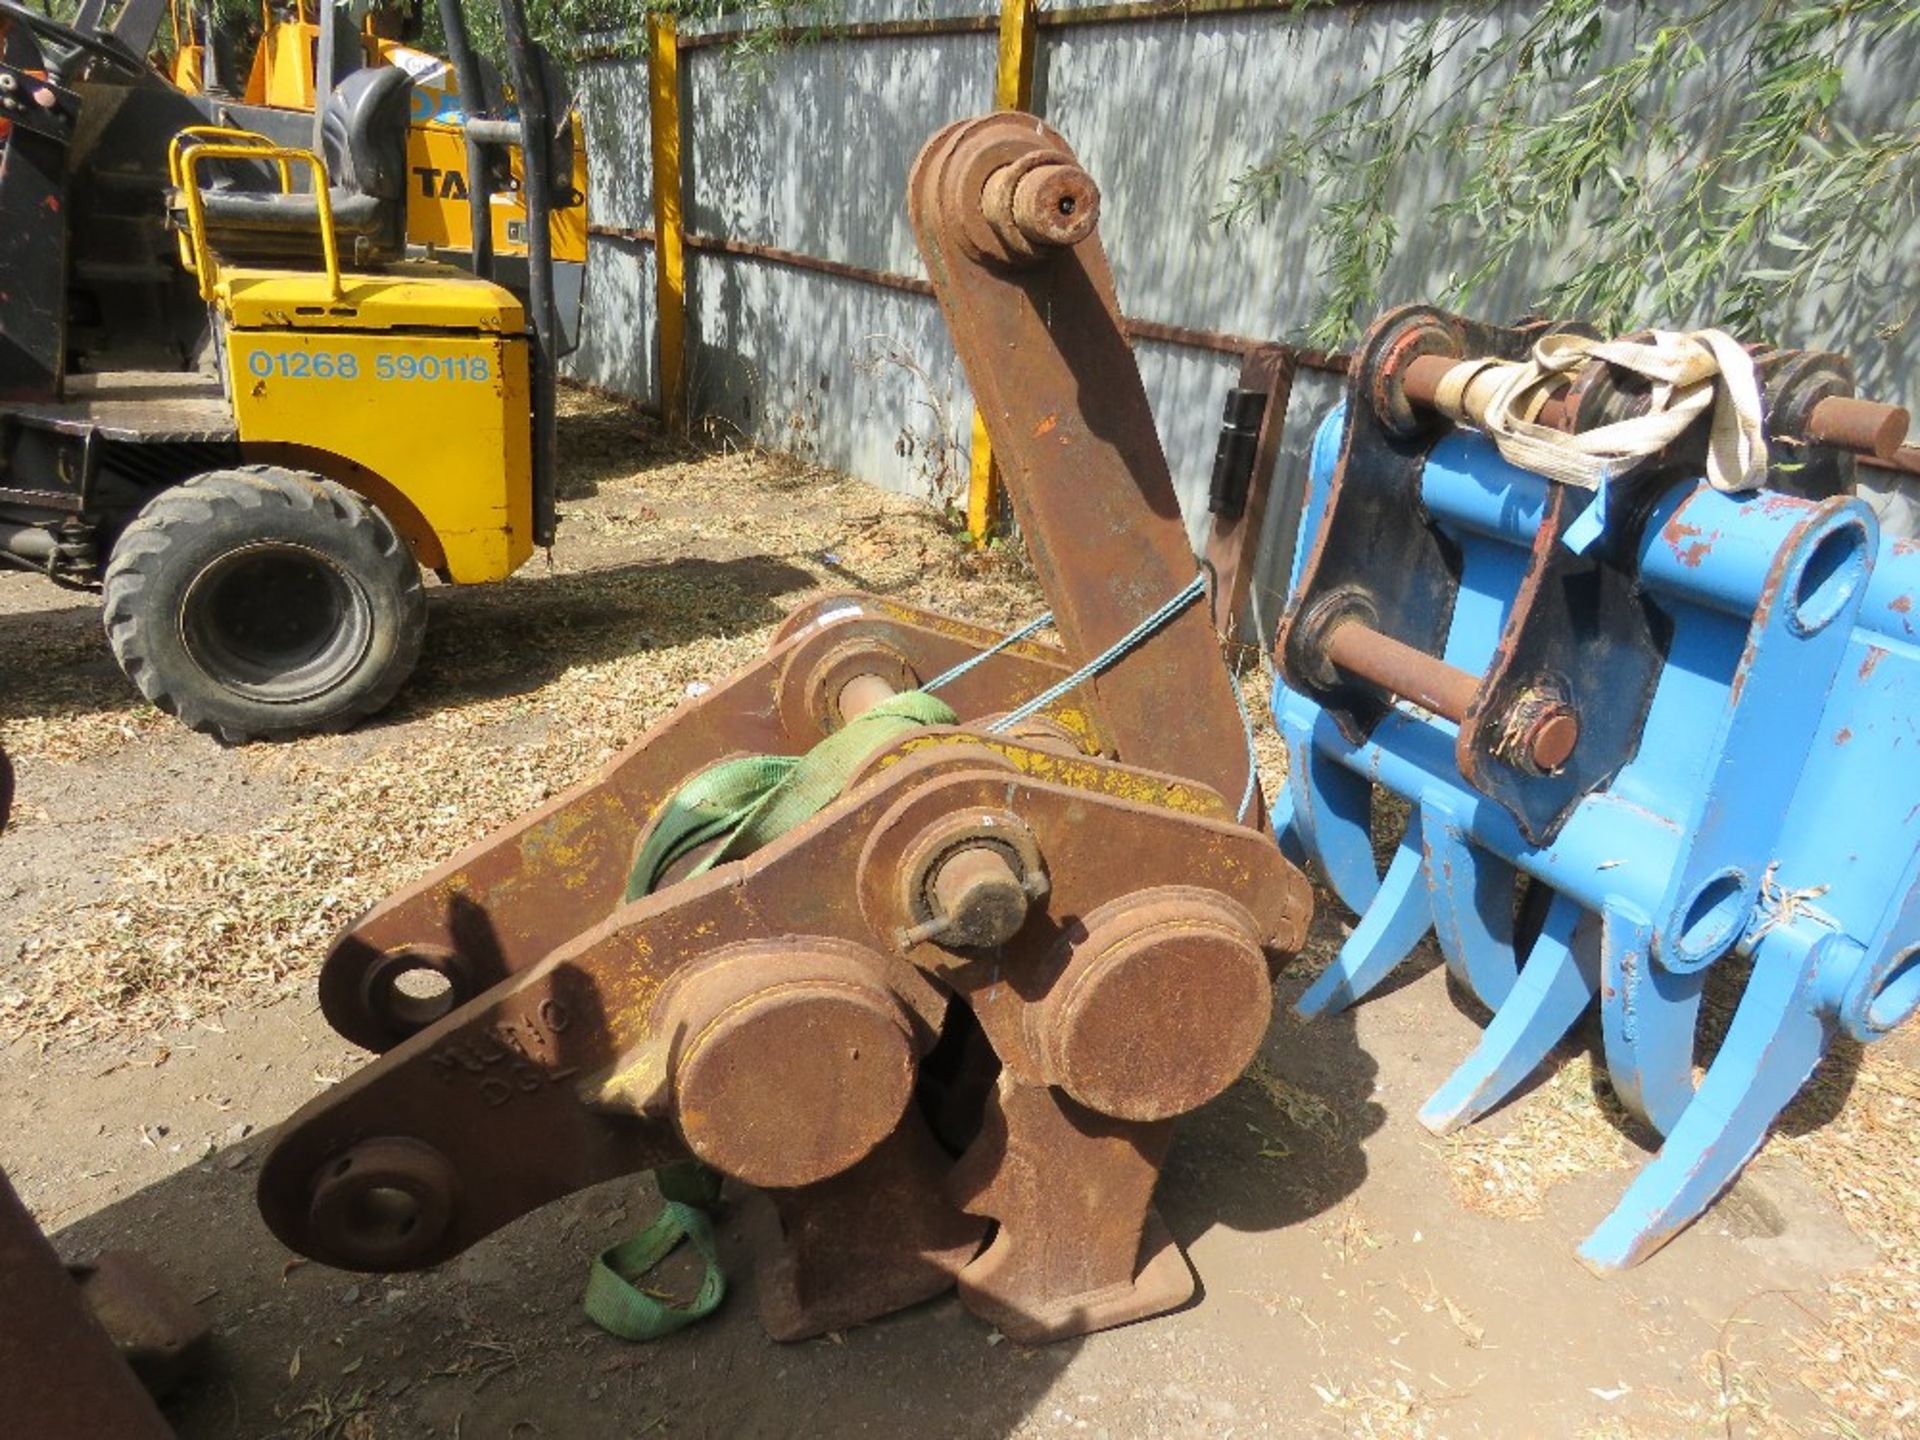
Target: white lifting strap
(1691, 373)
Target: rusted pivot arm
(1005, 219)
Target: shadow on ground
(607, 442)
(482, 642)
(485, 642)
(493, 1343)
(55, 663)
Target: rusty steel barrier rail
(1219, 342)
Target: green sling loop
(744, 804)
(758, 798)
(614, 1300)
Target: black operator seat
(364, 132)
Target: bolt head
(1551, 738)
(980, 893)
(1056, 205)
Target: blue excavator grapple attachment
(1683, 715)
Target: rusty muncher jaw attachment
(946, 1024)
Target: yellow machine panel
(437, 212)
(282, 73)
(408, 294)
(391, 380)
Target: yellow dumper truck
(233, 395)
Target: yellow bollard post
(1019, 38)
(1012, 90)
(669, 251)
(983, 485)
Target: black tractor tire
(260, 603)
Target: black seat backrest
(365, 131)
(364, 137)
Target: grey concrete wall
(619, 339)
(808, 149)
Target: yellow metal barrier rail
(197, 144)
(670, 265)
(1012, 90)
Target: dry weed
(527, 687)
(1556, 1133)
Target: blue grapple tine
(1329, 814)
(1773, 707)
(1472, 894)
(1771, 1049)
(1839, 861)
(1396, 921)
(1647, 1019)
(1554, 989)
(1768, 811)
(1330, 818)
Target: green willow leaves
(1629, 160)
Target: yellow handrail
(176, 172)
(201, 134)
(200, 143)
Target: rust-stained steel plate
(1062, 401)
(161, 1337)
(535, 884)
(546, 1084)
(871, 1240)
(1074, 1257)
(61, 1377)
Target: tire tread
(152, 541)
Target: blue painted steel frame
(1771, 811)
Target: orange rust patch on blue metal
(1690, 543)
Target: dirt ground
(164, 901)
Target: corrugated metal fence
(801, 153)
